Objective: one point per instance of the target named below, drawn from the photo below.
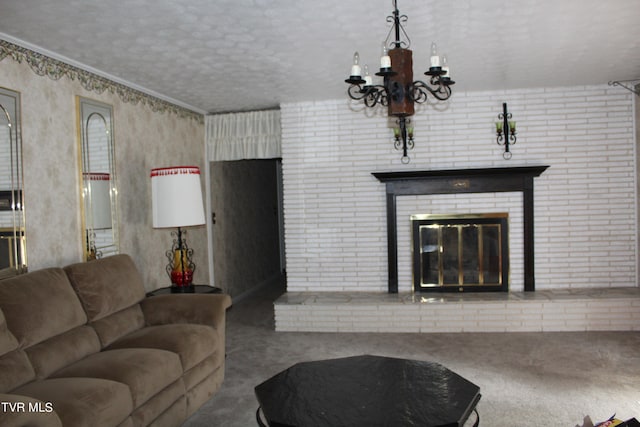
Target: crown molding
(46, 63)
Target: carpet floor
(526, 379)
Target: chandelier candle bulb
(435, 59)
(445, 66)
(368, 80)
(512, 126)
(385, 59)
(356, 71)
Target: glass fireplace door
(460, 252)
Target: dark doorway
(247, 233)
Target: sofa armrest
(19, 411)
(205, 309)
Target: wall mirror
(99, 191)
(13, 251)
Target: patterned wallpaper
(148, 133)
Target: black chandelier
(399, 92)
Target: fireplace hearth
(486, 180)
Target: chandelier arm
(373, 97)
(442, 93)
(356, 93)
(384, 96)
(419, 91)
(370, 95)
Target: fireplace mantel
(452, 181)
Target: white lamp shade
(97, 200)
(176, 197)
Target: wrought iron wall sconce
(506, 131)
(403, 137)
(399, 92)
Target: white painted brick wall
(335, 211)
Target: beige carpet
(526, 379)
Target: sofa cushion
(203, 391)
(119, 324)
(16, 370)
(82, 402)
(7, 341)
(107, 285)
(127, 423)
(201, 371)
(62, 350)
(39, 305)
(15, 366)
(146, 371)
(193, 343)
(155, 407)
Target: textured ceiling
(236, 55)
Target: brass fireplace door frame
(458, 223)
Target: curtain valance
(250, 135)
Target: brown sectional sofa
(83, 346)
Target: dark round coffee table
(366, 391)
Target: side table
(197, 289)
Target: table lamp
(176, 197)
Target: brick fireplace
(453, 181)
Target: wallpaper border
(43, 65)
